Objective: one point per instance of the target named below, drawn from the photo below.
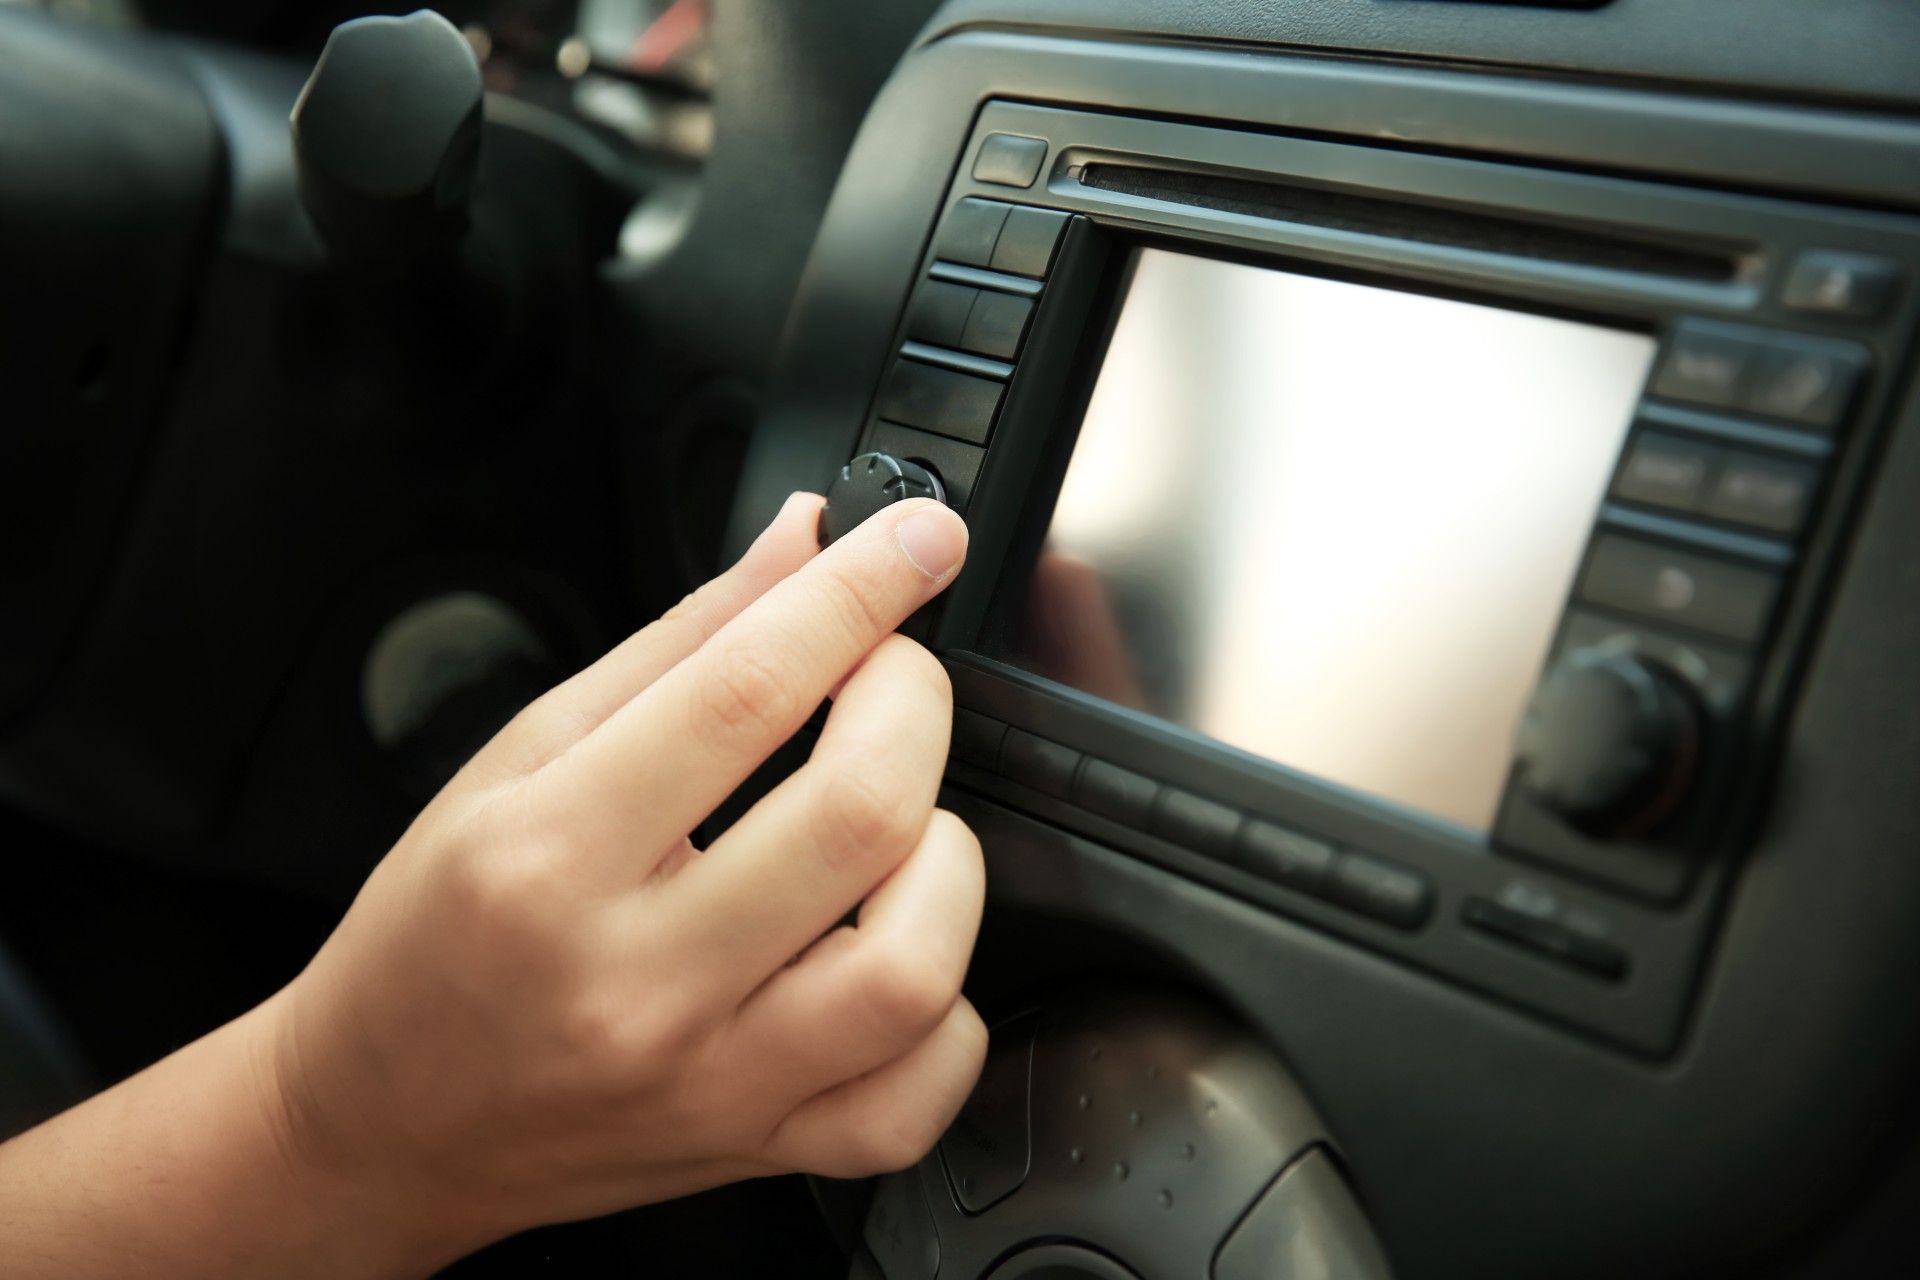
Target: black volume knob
(868, 483)
(1610, 742)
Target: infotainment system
(1422, 548)
(1329, 523)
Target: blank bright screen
(1330, 524)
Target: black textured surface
(1144, 1125)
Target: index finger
(666, 759)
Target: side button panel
(996, 325)
(942, 401)
(1028, 240)
(1806, 381)
(1721, 599)
(1667, 472)
(1707, 364)
(939, 313)
(1762, 492)
(971, 232)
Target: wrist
(372, 1210)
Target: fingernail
(935, 540)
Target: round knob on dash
(869, 483)
(1610, 742)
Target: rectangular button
(1285, 857)
(1763, 492)
(1551, 940)
(956, 462)
(1028, 240)
(1387, 893)
(1852, 286)
(997, 324)
(972, 231)
(1680, 587)
(941, 401)
(1009, 160)
(1666, 471)
(1116, 793)
(977, 738)
(1195, 822)
(1035, 762)
(1806, 381)
(939, 312)
(1708, 364)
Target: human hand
(546, 1005)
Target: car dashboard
(1434, 665)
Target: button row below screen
(1360, 882)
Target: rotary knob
(867, 484)
(1610, 743)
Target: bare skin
(545, 1004)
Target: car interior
(1435, 672)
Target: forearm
(190, 1169)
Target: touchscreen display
(1330, 524)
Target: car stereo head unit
(1417, 545)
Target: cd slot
(1335, 209)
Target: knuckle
(899, 1142)
(697, 608)
(541, 727)
(687, 606)
(907, 993)
(861, 818)
(746, 697)
(504, 894)
(594, 1029)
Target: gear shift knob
(386, 136)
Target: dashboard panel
(1509, 1009)
(1244, 334)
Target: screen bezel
(1015, 496)
(1005, 636)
